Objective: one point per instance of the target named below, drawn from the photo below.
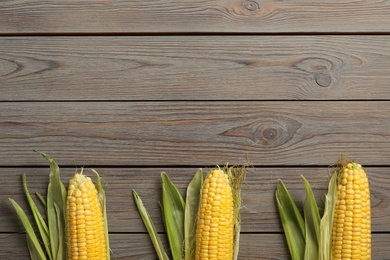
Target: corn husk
(236, 176)
(292, 222)
(173, 206)
(103, 202)
(179, 215)
(51, 234)
(312, 223)
(176, 221)
(153, 234)
(326, 224)
(190, 214)
(309, 237)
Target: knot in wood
(268, 130)
(323, 80)
(270, 133)
(251, 5)
(320, 69)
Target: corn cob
(86, 232)
(351, 235)
(215, 223)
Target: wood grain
(173, 16)
(138, 247)
(194, 133)
(135, 88)
(195, 68)
(259, 213)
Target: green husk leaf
(236, 176)
(312, 222)
(173, 210)
(34, 255)
(103, 202)
(158, 246)
(40, 222)
(41, 199)
(56, 197)
(326, 223)
(36, 251)
(60, 226)
(191, 211)
(292, 222)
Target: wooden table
(134, 88)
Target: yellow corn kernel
(351, 237)
(214, 238)
(85, 229)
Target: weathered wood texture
(195, 68)
(259, 213)
(138, 247)
(134, 88)
(194, 133)
(21, 16)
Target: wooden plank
(259, 213)
(195, 68)
(138, 247)
(173, 16)
(194, 133)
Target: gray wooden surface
(195, 68)
(221, 16)
(135, 88)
